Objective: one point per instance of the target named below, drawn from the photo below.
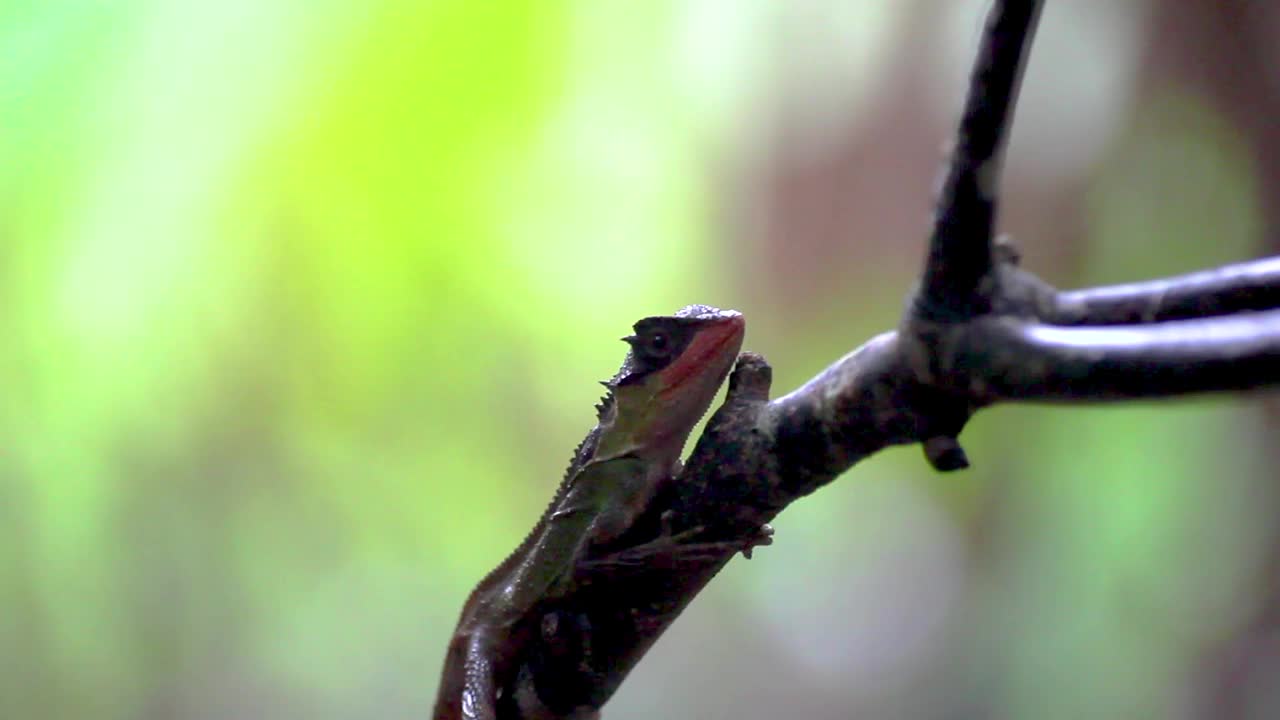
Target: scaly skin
(672, 372)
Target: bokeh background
(302, 304)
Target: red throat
(714, 340)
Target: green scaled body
(666, 383)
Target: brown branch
(960, 253)
(1233, 288)
(1009, 359)
(920, 384)
(979, 331)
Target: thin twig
(1244, 286)
(960, 247)
(1006, 359)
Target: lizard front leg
(671, 546)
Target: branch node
(945, 454)
(762, 537)
(751, 378)
(1006, 250)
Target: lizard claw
(763, 536)
(667, 533)
(671, 546)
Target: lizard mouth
(711, 351)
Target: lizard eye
(658, 344)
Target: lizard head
(669, 378)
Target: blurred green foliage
(286, 289)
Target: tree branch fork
(1204, 332)
(979, 330)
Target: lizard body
(666, 383)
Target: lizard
(674, 367)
